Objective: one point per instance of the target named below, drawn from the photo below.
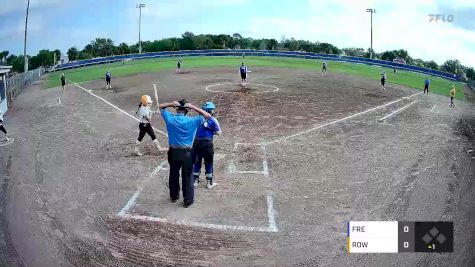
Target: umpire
(181, 132)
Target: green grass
(409, 79)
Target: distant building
(399, 60)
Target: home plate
(219, 156)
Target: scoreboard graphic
(395, 237)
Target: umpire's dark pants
(181, 159)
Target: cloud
(395, 26)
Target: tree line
(101, 47)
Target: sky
(401, 24)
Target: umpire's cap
(182, 105)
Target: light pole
(24, 44)
(371, 10)
(139, 6)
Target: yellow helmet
(146, 100)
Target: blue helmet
(208, 106)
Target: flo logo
(441, 17)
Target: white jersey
(144, 113)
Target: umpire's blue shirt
(181, 129)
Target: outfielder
(145, 127)
(426, 85)
(203, 147)
(452, 95)
(3, 128)
(243, 72)
(324, 68)
(108, 80)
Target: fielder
(426, 85)
(452, 95)
(108, 80)
(383, 80)
(178, 65)
(203, 147)
(324, 68)
(145, 126)
(3, 128)
(63, 80)
(243, 72)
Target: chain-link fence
(471, 84)
(18, 82)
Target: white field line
(265, 170)
(198, 224)
(335, 121)
(271, 212)
(433, 108)
(132, 200)
(114, 106)
(397, 111)
(7, 143)
(130, 203)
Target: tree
(272, 44)
(123, 48)
(388, 55)
(470, 72)
(431, 65)
(4, 55)
(354, 52)
(327, 48)
(202, 42)
(17, 63)
(237, 38)
(256, 44)
(72, 53)
(451, 66)
(186, 41)
(292, 44)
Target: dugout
(4, 70)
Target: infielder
(178, 65)
(3, 128)
(63, 80)
(324, 68)
(383, 80)
(243, 72)
(203, 147)
(145, 126)
(108, 80)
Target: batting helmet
(208, 106)
(146, 100)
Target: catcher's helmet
(208, 106)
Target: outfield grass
(409, 79)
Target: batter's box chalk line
(124, 213)
(232, 168)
